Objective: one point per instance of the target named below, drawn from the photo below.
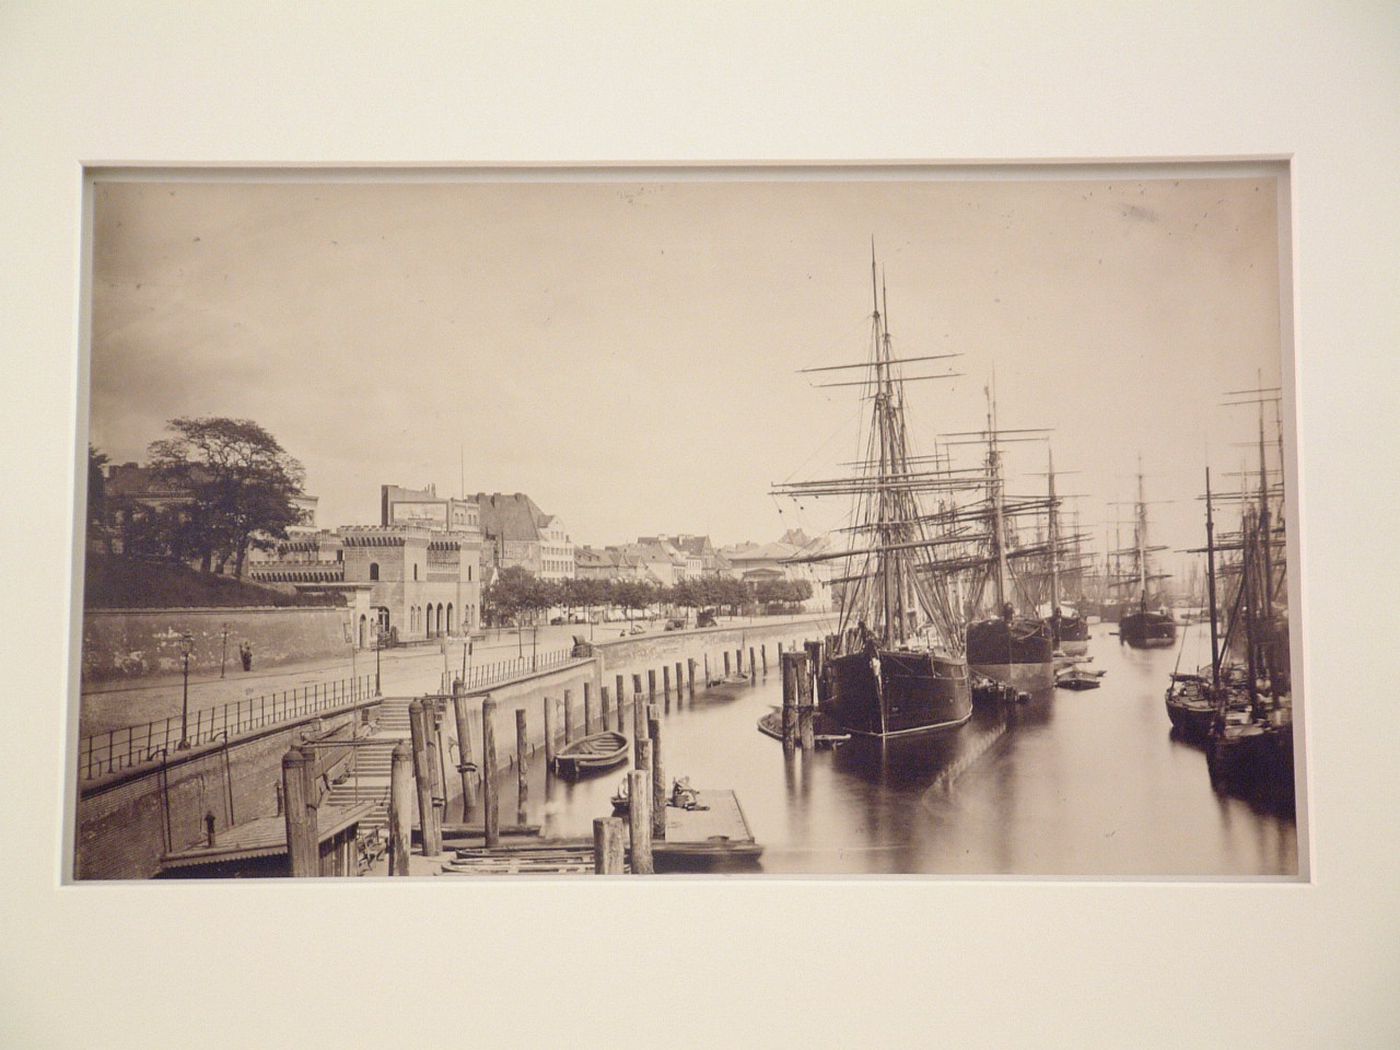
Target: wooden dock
(715, 835)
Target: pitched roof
(510, 516)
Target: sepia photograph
(690, 521)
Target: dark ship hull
(1191, 706)
(916, 692)
(1069, 634)
(1147, 630)
(1018, 652)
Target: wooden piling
(805, 708)
(400, 807)
(466, 754)
(790, 673)
(814, 669)
(491, 819)
(753, 666)
(605, 705)
(639, 821)
(419, 723)
(739, 661)
(587, 709)
(763, 655)
(690, 675)
(608, 848)
(679, 681)
(303, 847)
(436, 773)
(549, 731)
(707, 670)
(666, 681)
(651, 686)
(568, 717)
(644, 752)
(621, 697)
(522, 767)
(726, 664)
(658, 774)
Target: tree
(513, 591)
(240, 480)
(96, 487)
(633, 594)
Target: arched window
(364, 628)
(439, 618)
(429, 625)
(374, 570)
(449, 617)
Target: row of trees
(234, 484)
(517, 593)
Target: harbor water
(1087, 783)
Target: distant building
(417, 582)
(755, 562)
(516, 532)
(424, 507)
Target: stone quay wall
(127, 823)
(137, 643)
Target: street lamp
(223, 658)
(186, 647)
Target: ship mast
(1140, 529)
(1210, 584)
(1054, 539)
(994, 491)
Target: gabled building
(516, 532)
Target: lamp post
(186, 647)
(225, 627)
(378, 645)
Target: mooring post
(466, 755)
(739, 661)
(644, 752)
(313, 794)
(690, 675)
(303, 849)
(753, 666)
(763, 655)
(789, 669)
(651, 686)
(707, 670)
(636, 695)
(666, 681)
(658, 774)
(492, 817)
(608, 849)
(679, 681)
(814, 657)
(804, 703)
(548, 735)
(726, 665)
(522, 769)
(568, 717)
(587, 709)
(400, 808)
(621, 697)
(639, 820)
(605, 702)
(433, 728)
(418, 725)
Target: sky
(627, 352)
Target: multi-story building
(516, 532)
(401, 506)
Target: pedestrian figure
(245, 653)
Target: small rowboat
(592, 753)
(823, 735)
(1077, 679)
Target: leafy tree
(241, 483)
(633, 594)
(96, 487)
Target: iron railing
(136, 745)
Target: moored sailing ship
(894, 666)
(1143, 627)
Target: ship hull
(916, 692)
(1019, 653)
(1070, 634)
(1147, 630)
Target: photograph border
(1058, 964)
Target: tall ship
(895, 666)
(1067, 623)
(1013, 648)
(1142, 625)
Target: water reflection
(1069, 783)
